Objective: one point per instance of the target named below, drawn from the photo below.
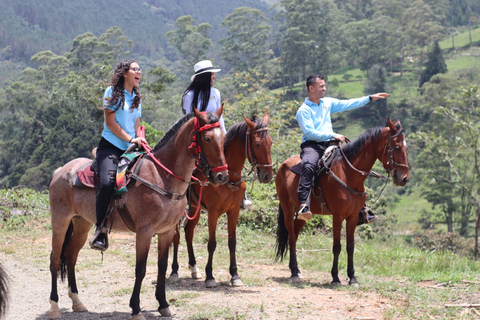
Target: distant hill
(28, 26)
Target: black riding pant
(311, 153)
(107, 163)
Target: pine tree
(435, 64)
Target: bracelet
(130, 140)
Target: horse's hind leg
(79, 237)
(164, 241)
(176, 242)
(232, 245)
(189, 232)
(337, 247)
(351, 225)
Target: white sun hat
(202, 67)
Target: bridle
(390, 159)
(196, 150)
(249, 151)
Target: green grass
(461, 40)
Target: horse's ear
(219, 112)
(266, 118)
(202, 117)
(250, 123)
(392, 126)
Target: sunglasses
(136, 70)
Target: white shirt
(213, 104)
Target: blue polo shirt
(315, 121)
(125, 117)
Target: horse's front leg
(212, 245)
(351, 225)
(164, 241)
(337, 247)
(143, 240)
(293, 232)
(232, 246)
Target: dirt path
(105, 289)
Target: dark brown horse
(250, 140)
(155, 205)
(344, 197)
(3, 291)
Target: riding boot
(99, 241)
(366, 216)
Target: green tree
(245, 45)
(435, 64)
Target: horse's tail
(3, 291)
(282, 235)
(66, 242)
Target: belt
(328, 143)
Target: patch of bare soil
(105, 288)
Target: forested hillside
(56, 56)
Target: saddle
(323, 164)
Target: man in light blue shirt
(314, 119)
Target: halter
(196, 149)
(249, 150)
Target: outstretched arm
(377, 96)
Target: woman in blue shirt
(122, 104)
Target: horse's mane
(239, 129)
(212, 118)
(351, 149)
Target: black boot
(99, 240)
(366, 216)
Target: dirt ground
(105, 288)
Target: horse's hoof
(237, 282)
(138, 316)
(295, 279)
(54, 312)
(173, 277)
(336, 284)
(194, 272)
(355, 284)
(165, 312)
(300, 275)
(79, 307)
(211, 283)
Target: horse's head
(258, 145)
(394, 157)
(210, 139)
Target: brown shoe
(304, 213)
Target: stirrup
(96, 245)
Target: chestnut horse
(343, 189)
(250, 140)
(155, 202)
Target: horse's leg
(189, 232)
(351, 225)
(143, 241)
(164, 241)
(337, 247)
(232, 218)
(176, 242)
(294, 230)
(212, 245)
(60, 226)
(79, 237)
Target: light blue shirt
(315, 121)
(125, 117)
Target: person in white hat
(200, 94)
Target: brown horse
(343, 189)
(250, 140)
(155, 203)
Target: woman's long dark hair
(118, 82)
(201, 86)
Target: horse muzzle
(218, 178)
(400, 179)
(264, 175)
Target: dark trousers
(311, 153)
(107, 163)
